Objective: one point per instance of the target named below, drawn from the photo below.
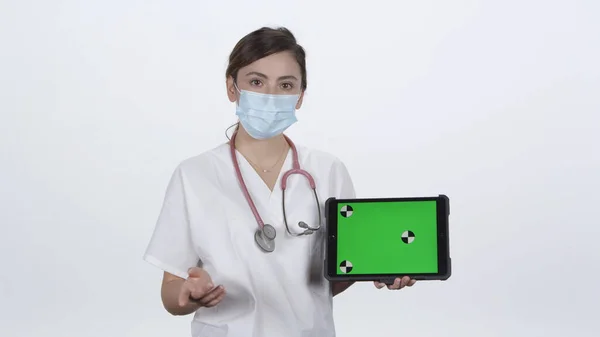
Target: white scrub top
(206, 218)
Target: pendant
(265, 171)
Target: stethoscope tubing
(295, 170)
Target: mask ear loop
(236, 87)
(236, 124)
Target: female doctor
(240, 236)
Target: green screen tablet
(381, 239)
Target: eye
(287, 86)
(255, 82)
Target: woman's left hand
(399, 283)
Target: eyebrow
(287, 77)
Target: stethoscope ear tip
(307, 229)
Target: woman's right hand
(199, 288)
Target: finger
(195, 272)
(184, 295)
(379, 285)
(216, 300)
(412, 283)
(200, 289)
(396, 284)
(405, 281)
(211, 295)
(199, 292)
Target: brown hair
(262, 43)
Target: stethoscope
(265, 234)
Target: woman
(221, 237)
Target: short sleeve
(342, 186)
(171, 248)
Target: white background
(494, 103)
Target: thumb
(195, 272)
(379, 285)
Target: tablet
(382, 239)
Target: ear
(231, 90)
(299, 104)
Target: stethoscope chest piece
(265, 238)
(265, 234)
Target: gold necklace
(256, 166)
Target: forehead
(275, 65)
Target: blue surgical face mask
(265, 116)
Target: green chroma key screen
(387, 238)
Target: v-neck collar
(268, 203)
(255, 184)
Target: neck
(260, 150)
